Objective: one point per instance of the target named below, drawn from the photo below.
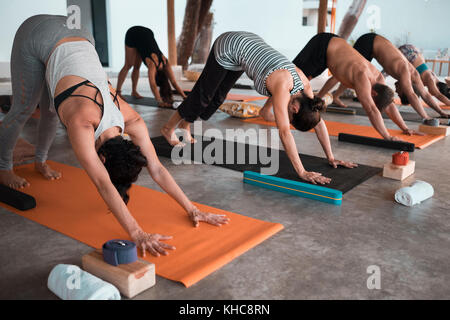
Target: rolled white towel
(414, 194)
(69, 282)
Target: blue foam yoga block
(296, 188)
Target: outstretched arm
(426, 96)
(279, 84)
(397, 118)
(137, 130)
(152, 81)
(327, 86)
(363, 91)
(430, 82)
(324, 139)
(173, 81)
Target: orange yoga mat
(425, 105)
(243, 97)
(73, 207)
(334, 128)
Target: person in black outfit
(141, 46)
(312, 60)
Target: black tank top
(143, 40)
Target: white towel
(414, 194)
(69, 282)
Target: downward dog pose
(372, 46)
(141, 46)
(349, 67)
(437, 88)
(59, 68)
(274, 75)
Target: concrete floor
(323, 252)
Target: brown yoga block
(131, 279)
(396, 172)
(439, 130)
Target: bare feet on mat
(136, 95)
(171, 137)
(339, 103)
(8, 178)
(46, 171)
(186, 127)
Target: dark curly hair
(123, 161)
(165, 90)
(309, 114)
(444, 89)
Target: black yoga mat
(407, 116)
(342, 179)
(375, 142)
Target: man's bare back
(347, 65)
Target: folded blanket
(69, 282)
(414, 194)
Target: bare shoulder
(279, 80)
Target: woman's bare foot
(170, 136)
(186, 127)
(46, 171)
(8, 178)
(339, 103)
(136, 95)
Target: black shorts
(364, 45)
(312, 60)
(143, 40)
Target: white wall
(279, 25)
(12, 14)
(148, 13)
(277, 22)
(425, 22)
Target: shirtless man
(349, 67)
(371, 46)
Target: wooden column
(171, 32)
(322, 22)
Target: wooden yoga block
(440, 130)
(131, 279)
(396, 172)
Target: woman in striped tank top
(234, 53)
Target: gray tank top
(241, 50)
(80, 59)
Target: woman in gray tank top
(274, 76)
(59, 69)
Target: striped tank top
(245, 51)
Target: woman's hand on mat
(314, 177)
(152, 243)
(164, 104)
(411, 132)
(198, 216)
(392, 138)
(347, 164)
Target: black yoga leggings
(209, 91)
